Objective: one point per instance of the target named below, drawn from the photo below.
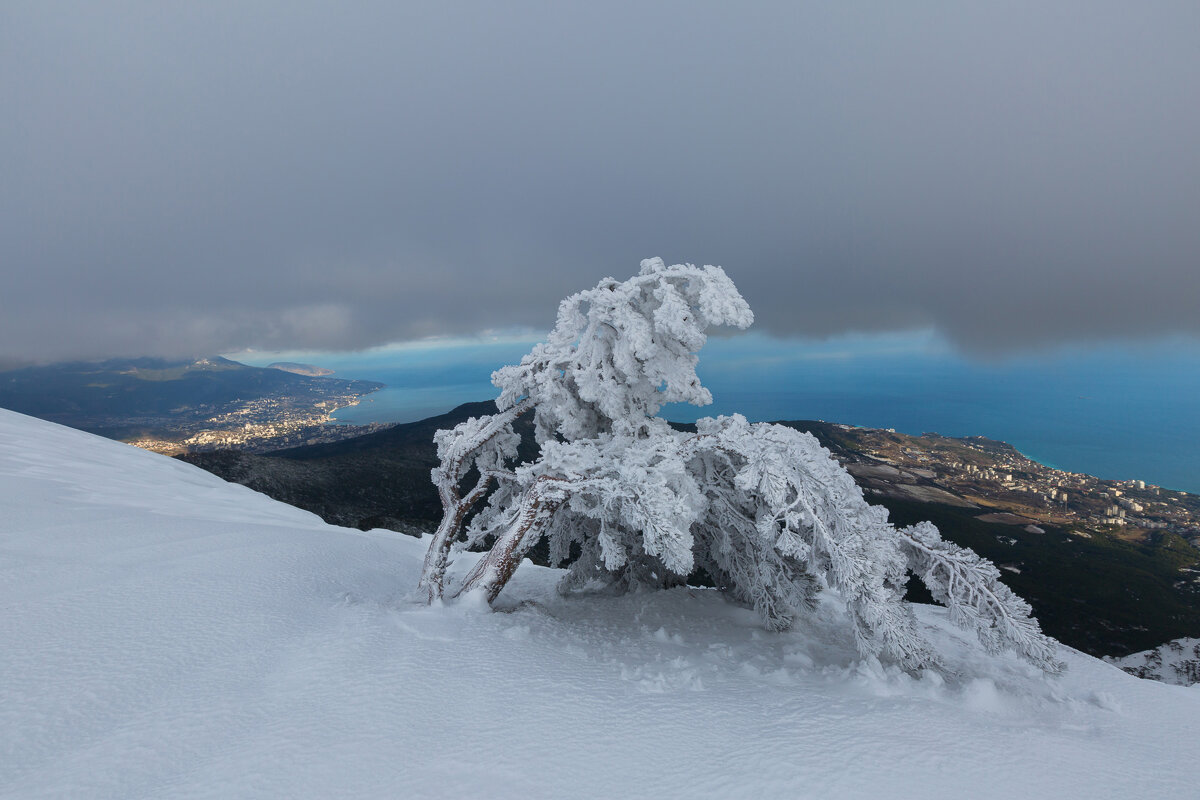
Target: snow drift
(163, 633)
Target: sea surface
(1115, 411)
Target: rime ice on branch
(763, 509)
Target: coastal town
(972, 473)
(1006, 486)
(260, 426)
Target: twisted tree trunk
(437, 557)
(536, 509)
(455, 507)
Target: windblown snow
(165, 634)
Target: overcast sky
(184, 179)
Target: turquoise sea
(1116, 411)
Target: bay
(1115, 411)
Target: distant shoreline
(1139, 419)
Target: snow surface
(166, 634)
(1177, 662)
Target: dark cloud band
(206, 178)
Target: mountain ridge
(177, 405)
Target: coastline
(1103, 411)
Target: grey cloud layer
(211, 177)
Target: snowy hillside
(163, 633)
(1177, 662)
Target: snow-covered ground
(1177, 661)
(165, 634)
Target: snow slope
(165, 634)
(1177, 661)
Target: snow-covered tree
(629, 502)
